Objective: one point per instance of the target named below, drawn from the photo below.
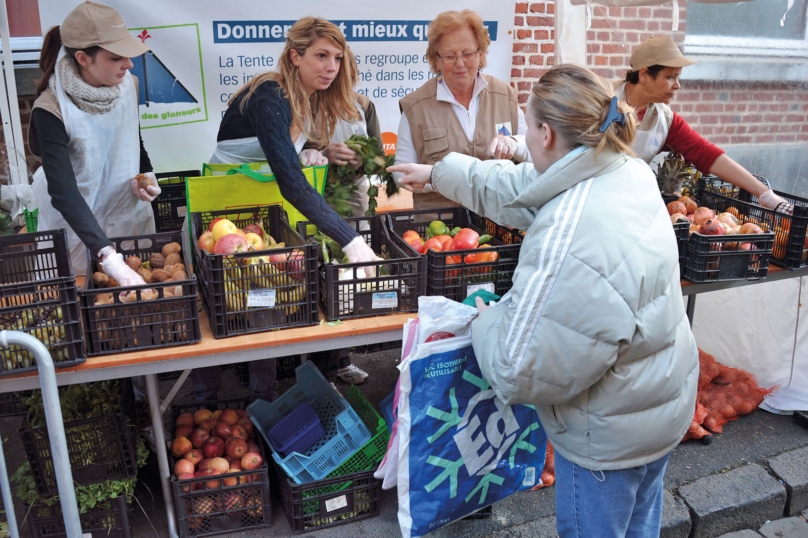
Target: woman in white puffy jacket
(593, 332)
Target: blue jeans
(609, 504)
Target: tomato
(410, 233)
(433, 244)
(465, 239)
(417, 244)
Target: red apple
(180, 446)
(183, 466)
(251, 461)
(213, 223)
(203, 464)
(194, 456)
(213, 447)
(244, 479)
(247, 424)
(222, 228)
(231, 481)
(711, 227)
(222, 430)
(241, 413)
(236, 447)
(184, 431)
(217, 413)
(186, 419)
(239, 432)
(199, 437)
(219, 464)
(229, 416)
(208, 424)
(230, 459)
(252, 447)
(255, 241)
(201, 416)
(236, 464)
(206, 242)
(229, 244)
(254, 229)
(185, 476)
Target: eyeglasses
(467, 57)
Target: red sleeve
(695, 149)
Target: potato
(171, 269)
(159, 275)
(157, 260)
(146, 275)
(179, 275)
(100, 280)
(172, 259)
(134, 262)
(171, 248)
(103, 298)
(112, 283)
(167, 294)
(149, 295)
(143, 181)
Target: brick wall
(726, 113)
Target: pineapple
(673, 173)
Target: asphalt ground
(753, 438)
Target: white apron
(652, 132)
(246, 150)
(343, 131)
(105, 154)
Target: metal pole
(16, 149)
(691, 308)
(56, 431)
(162, 453)
(8, 502)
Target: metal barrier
(56, 433)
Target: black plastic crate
(170, 206)
(11, 403)
(284, 369)
(682, 231)
(399, 280)
(165, 321)
(330, 501)
(286, 291)
(457, 281)
(47, 521)
(714, 258)
(99, 448)
(38, 296)
(790, 249)
(203, 511)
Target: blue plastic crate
(297, 431)
(345, 433)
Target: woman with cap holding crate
(84, 127)
(649, 87)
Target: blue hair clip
(613, 116)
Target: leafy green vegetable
(340, 185)
(78, 402)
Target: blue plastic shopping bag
(460, 447)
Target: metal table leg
(8, 502)
(56, 434)
(691, 307)
(162, 453)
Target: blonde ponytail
(575, 103)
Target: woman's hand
(417, 178)
(312, 157)
(770, 200)
(502, 147)
(358, 252)
(340, 154)
(114, 266)
(145, 187)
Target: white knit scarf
(88, 98)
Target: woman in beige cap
(85, 129)
(650, 85)
(460, 110)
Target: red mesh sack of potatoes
(708, 369)
(695, 431)
(548, 475)
(731, 394)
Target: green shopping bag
(230, 186)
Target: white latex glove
(417, 178)
(114, 266)
(312, 157)
(359, 252)
(340, 154)
(149, 193)
(502, 147)
(770, 200)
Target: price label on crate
(336, 503)
(488, 286)
(261, 297)
(182, 211)
(385, 299)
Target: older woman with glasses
(460, 110)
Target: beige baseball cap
(658, 51)
(92, 24)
